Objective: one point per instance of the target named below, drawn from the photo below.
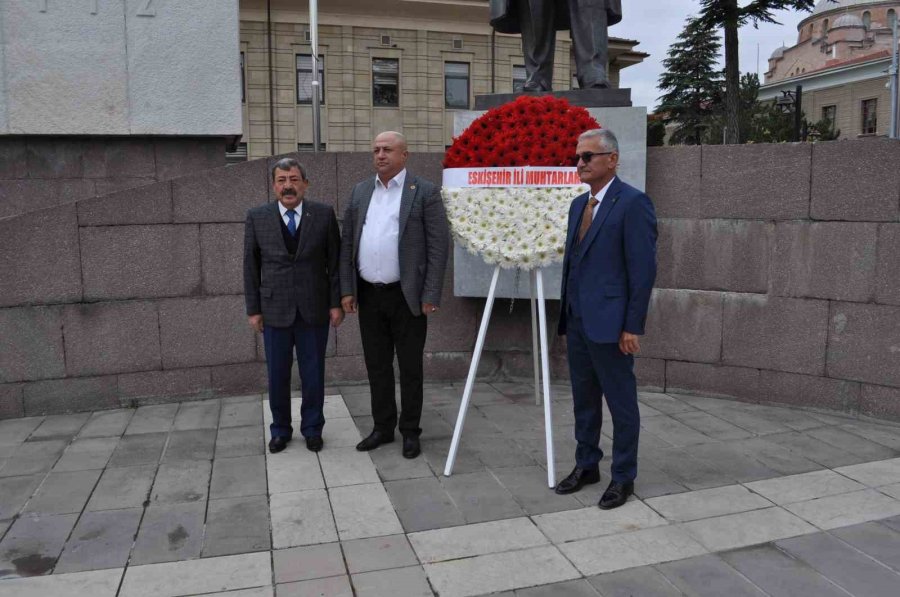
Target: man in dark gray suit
(393, 256)
(292, 292)
(539, 20)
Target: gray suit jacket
(277, 284)
(505, 16)
(424, 240)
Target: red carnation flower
(528, 131)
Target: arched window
(867, 20)
(891, 17)
(824, 27)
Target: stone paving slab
(182, 481)
(308, 562)
(134, 450)
(16, 431)
(480, 497)
(237, 525)
(126, 487)
(60, 426)
(334, 586)
(573, 525)
(874, 474)
(747, 528)
(780, 575)
(708, 503)
(378, 553)
(32, 544)
(33, 457)
(109, 423)
(15, 492)
(362, 511)
(422, 504)
(203, 414)
(169, 533)
(87, 454)
(63, 493)
(878, 541)
(302, 518)
(156, 418)
(398, 582)
(347, 466)
(806, 486)
(294, 469)
(236, 477)
(846, 509)
(95, 583)
(646, 581)
(100, 540)
(174, 579)
(476, 539)
(192, 444)
(708, 576)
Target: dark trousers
(387, 326)
(590, 40)
(599, 370)
(310, 342)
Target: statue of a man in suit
(539, 20)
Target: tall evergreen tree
(691, 82)
(729, 15)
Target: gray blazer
(277, 284)
(505, 16)
(424, 240)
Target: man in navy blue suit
(608, 274)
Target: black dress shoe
(615, 495)
(578, 478)
(314, 444)
(278, 443)
(375, 439)
(411, 447)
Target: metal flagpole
(314, 42)
(895, 80)
(545, 365)
(473, 369)
(535, 345)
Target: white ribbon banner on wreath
(512, 176)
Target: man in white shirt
(393, 256)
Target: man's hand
(429, 308)
(256, 322)
(348, 303)
(629, 343)
(337, 316)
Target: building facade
(841, 60)
(403, 65)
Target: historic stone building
(841, 60)
(396, 64)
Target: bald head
(390, 154)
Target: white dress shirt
(379, 244)
(286, 218)
(600, 196)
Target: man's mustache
(289, 192)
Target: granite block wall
(779, 282)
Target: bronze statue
(539, 20)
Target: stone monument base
(585, 98)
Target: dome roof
(778, 53)
(848, 20)
(829, 5)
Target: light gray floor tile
(257, 592)
(422, 504)
(335, 586)
(707, 503)
(399, 582)
(852, 443)
(107, 423)
(239, 414)
(876, 540)
(723, 457)
(780, 575)
(886, 435)
(392, 466)
(240, 441)
(347, 466)
(134, 450)
(807, 486)
(673, 432)
(334, 407)
(193, 444)
(100, 540)
(571, 588)
(302, 518)
(308, 562)
(645, 581)
(156, 418)
(815, 449)
(206, 575)
(891, 490)
(237, 525)
(711, 426)
(87, 454)
(378, 553)
(480, 497)
(14, 492)
(476, 539)
(96, 583)
(294, 469)
(362, 511)
(573, 525)
(842, 564)
(599, 555)
(60, 426)
(126, 487)
(874, 474)
(33, 543)
(235, 477)
(500, 572)
(341, 433)
(708, 576)
(203, 414)
(652, 482)
(33, 457)
(182, 481)
(170, 532)
(63, 493)
(684, 470)
(846, 509)
(747, 528)
(665, 403)
(16, 431)
(776, 457)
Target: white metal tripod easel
(539, 332)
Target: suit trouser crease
(387, 326)
(310, 342)
(590, 39)
(597, 370)
(539, 35)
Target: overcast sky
(657, 23)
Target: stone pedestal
(472, 276)
(586, 98)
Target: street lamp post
(314, 42)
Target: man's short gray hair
(287, 164)
(606, 136)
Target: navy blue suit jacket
(616, 263)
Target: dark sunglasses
(587, 156)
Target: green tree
(761, 122)
(656, 132)
(731, 16)
(692, 82)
